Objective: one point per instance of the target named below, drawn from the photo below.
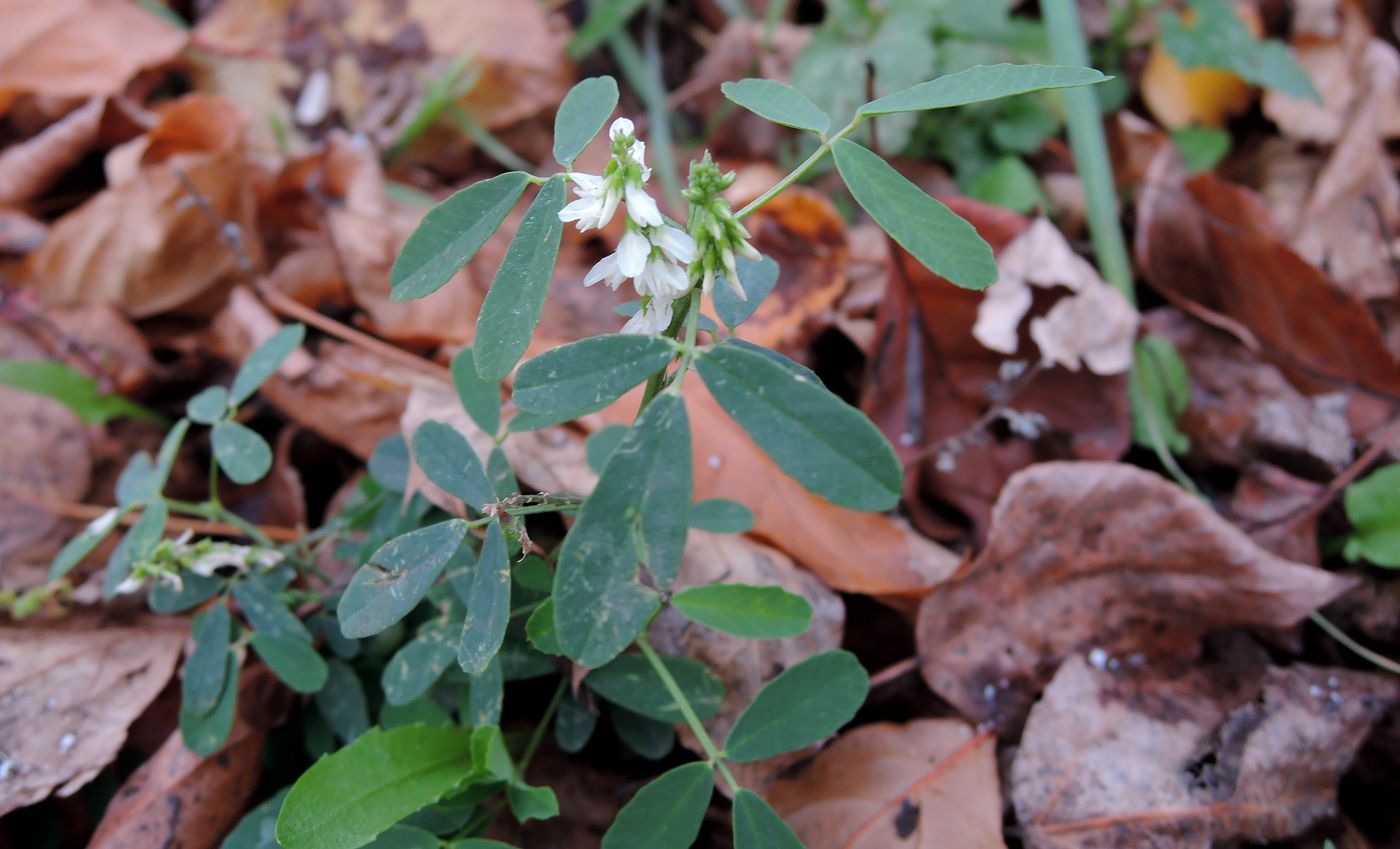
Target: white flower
(621, 129)
(641, 207)
(633, 250)
(662, 279)
(597, 202)
(130, 585)
(607, 271)
(638, 154)
(654, 317)
(675, 243)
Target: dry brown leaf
(1273, 506)
(1244, 409)
(67, 696)
(1097, 556)
(1212, 249)
(1130, 759)
(929, 784)
(79, 48)
(143, 244)
(27, 168)
(178, 798)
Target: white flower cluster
(651, 253)
(203, 557)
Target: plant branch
(797, 172)
(691, 719)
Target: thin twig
(1342, 637)
(89, 512)
(894, 671)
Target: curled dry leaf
(1129, 759)
(1273, 506)
(27, 168)
(926, 785)
(178, 798)
(67, 697)
(1244, 409)
(1097, 556)
(1211, 248)
(79, 48)
(144, 243)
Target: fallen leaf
(144, 243)
(1218, 754)
(1103, 556)
(1244, 409)
(79, 48)
(930, 783)
(69, 694)
(27, 168)
(1272, 505)
(178, 798)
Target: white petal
(604, 269)
(676, 243)
(632, 253)
(641, 207)
(586, 184)
(611, 198)
(130, 585)
(621, 128)
(586, 211)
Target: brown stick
(88, 512)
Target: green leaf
(502, 478)
(347, 798)
(1201, 148)
(935, 235)
(264, 361)
(405, 837)
(758, 613)
(136, 546)
(134, 484)
(481, 398)
(256, 829)
(342, 702)
(204, 734)
(1009, 183)
(1218, 38)
(605, 18)
(1161, 390)
(539, 628)
(243, 455)
(983, 82)
(758, 826)
(419, 663)
(827, 445)
(485, 692)
(721, 516)
(757, 277)
(478, 843)
(451, 234)
(806, 703)
(79, 547)
(267, 613)
(488, 610)
(490, 757)
(193, 591)
(531, 803)
(1373, 508)
(665, 814)
(637, 512)
(208, 406)
(449, 461)
(512, 307)
(205, 670)
(601, 444)
(72, 389)
(293, 660)
(649, 738)
(586, 376)
(397, 577)
(631, 681)
(389, 463)
(779, 103)
(586, 108)
(422, 710)
(573, 724)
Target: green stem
(655, 96)
(799, 170)
(489, 144)
(1086, 140)
(537, 736)
(711, 751)
(1341, 636)
(215, 512)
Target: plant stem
(655, 96)
(218, 513)
(799, 170)
(537, 736)
(1342, 637)
(1086, 140)
(711, 751)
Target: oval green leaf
(806, 703)
(341, 702)
(293, 660)
(243, 455)
(586, 376)
(721, 516)
(79, 547)
(268, 613)
(758, 826)
(757, 277)
(936, 236)
(979, 83)
(481, 398)
(648, 738)
(779, 103)
(419, 663)
(451, 234)
(204, 734)
(449, 461)
(758, 613)
(586, 108)
(255, 830)
(208, 406)
(263, 362)
(488, 608)
(631, 681)
(573, 724)
(397, 577)
(204, 671)
(827, 445)
(348, 798)
(512, 307)
(665, 814)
